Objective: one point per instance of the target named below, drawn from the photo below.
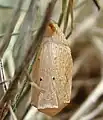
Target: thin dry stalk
(63, 12)
(90, 101)
(5, 87)
(97, 4)
(30, 53)
(83, 27)
(6, 39)
(68, 12)
(96, 93)
(94, 113)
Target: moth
(52, 71)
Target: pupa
(52, 71)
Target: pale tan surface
(55, 70)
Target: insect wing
(54, 74)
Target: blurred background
(86, 43)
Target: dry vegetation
(18, 47)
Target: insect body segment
(54, 74)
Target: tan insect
(52, 72)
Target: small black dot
(40, 79)
(53, 78)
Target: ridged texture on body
(54, 73)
